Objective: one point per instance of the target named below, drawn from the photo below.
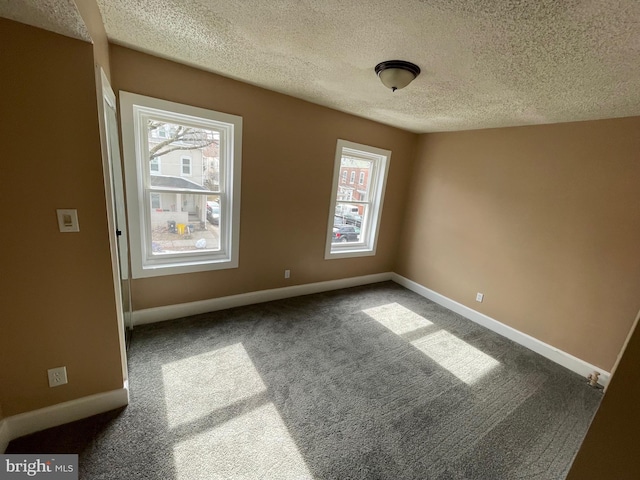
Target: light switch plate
(68, 220)
(479, 297)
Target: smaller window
(154, 166)
(353, 225)
(344, 176)
(186, 166)
(155, 201)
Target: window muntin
(191, 221)
(357, 206)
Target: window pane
(184, 150)
(186, 223)
(348, 214)
(355, 168)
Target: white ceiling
(59, 16)
(485, 63)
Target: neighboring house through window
(178, 224)
(362, 212)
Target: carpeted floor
(372, 382)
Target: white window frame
(182, 165)
(361, 178)
(367, 245)
(352, 177)
(344, 176)
(135, 111)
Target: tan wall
(287, 167)
(610, 448)
(544, 220)
(57, 302)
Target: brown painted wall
(544, 220)
(610, 449)
(57, 302)
(287, 166)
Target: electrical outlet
(479, 297)
(57, 376)
(287, 273)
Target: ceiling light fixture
(396, 74)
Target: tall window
(352, 178)
(362, 214)
(179, 224)
(361, 179)
(344, 176)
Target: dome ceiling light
(396, 74)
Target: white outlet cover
(479, 297)
(57, 376)
(68, 220)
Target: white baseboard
(43, 418)
(170, 312)
(552, 353)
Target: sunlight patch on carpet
(253, 445)
(461, 359)
(400, 320)
(200, 385)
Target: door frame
(105, 94)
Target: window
(361, 179)
(154, 166)
(353, 177)
(178, 224)
(155, 201)
(362, 214)
(344, 176)
(186, 166)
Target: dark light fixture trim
(396, 74)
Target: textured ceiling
(59, 16)
(485, 63)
